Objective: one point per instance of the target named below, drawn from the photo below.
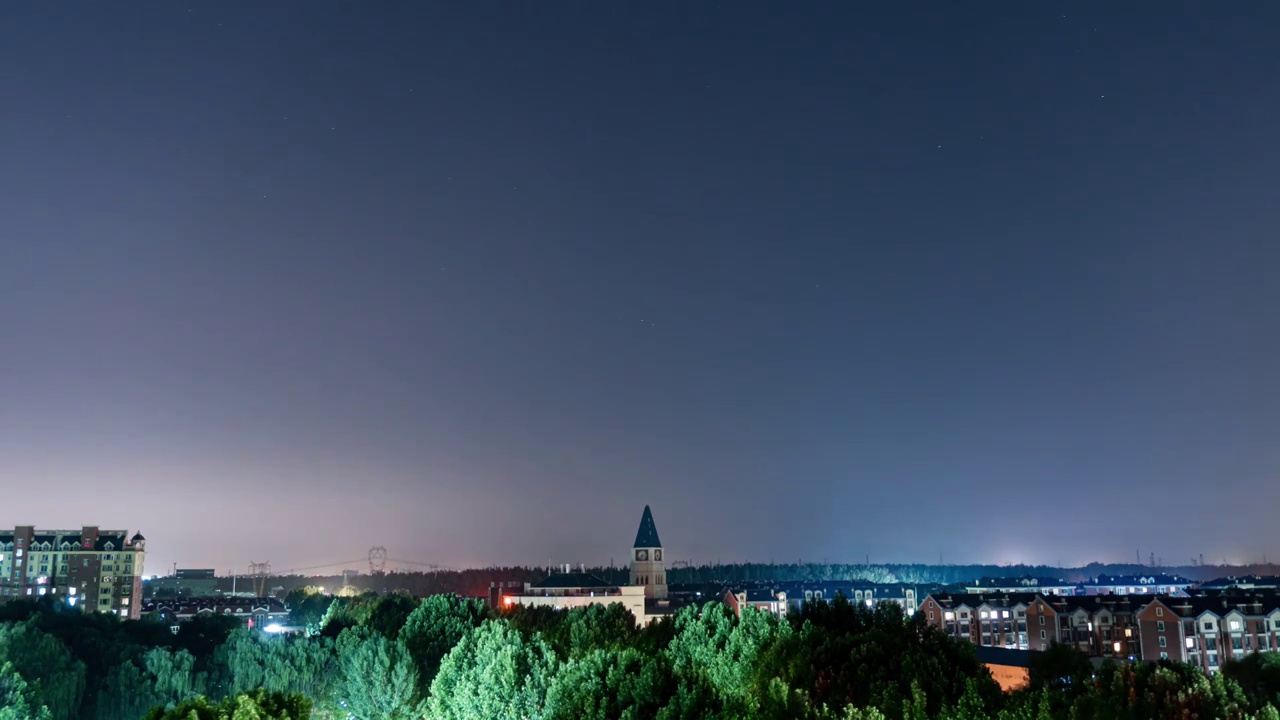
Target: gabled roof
(647, 535)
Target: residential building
(984, 619)
(253, 613)
(1156, 584)
(1024, 584)
(1246, 582)
(92, 569)
(757, 598)
(1208, 631)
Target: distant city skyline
(477, 282)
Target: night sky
(477, 281)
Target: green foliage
(847, 654)
(16, 697)
(390, 612)
(433, 628)
(1258, 676)
(280, 664)
(608, 684)
(348, 612)
(258, 705)
(379, 678)
(307, 607)
(493, 672)
(54, 678)
(711, 642)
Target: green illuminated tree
(257, 705)
(379, 679)
(54, 678)
(16, 702)
(434, 628)
(493, 672)
(607, 684)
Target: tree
(54, 678)
(307, 607)
(16, 702)
(257, 705)
(1258, 675)
(379, 679)
(712, 642)
(493, 672)
(434, 627)
(609, 684)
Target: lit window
(1191, 642)
(1005, 613)
(1235, 625)
(984, 614)
(1159, 612)
(949, 615)
(1116, 646)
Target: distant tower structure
(259, 571)
(377, 560)
(647, 566)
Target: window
(1005, 614)
(930, 615)
(1163, 643)
(1208, 624)
(1159, 626)
(1211, 643)
(1159, 611)
(949, 615)
(1042, 622)
(1234, 625)
(1042, 635)
(984, 614)
(1164, 655)
(1191, 643)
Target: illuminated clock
(657, 554)
(642, 555)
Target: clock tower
(647, 566)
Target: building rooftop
(570, 580)
(647, 535)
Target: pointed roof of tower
(647, 535)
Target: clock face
(657, 554)
(642, 554)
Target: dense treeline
(392, 657)
(475, 582)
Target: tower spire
(647, 535)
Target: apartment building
(92, 569)
(1102, 626)
(984, 619)
(1208, 631)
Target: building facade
(1208, 631)
(91, 569)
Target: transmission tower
(377, 560)
(259, 571)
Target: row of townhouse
(790, 596)
(1153, 584)
(1205, 631)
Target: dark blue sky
(477, 281)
